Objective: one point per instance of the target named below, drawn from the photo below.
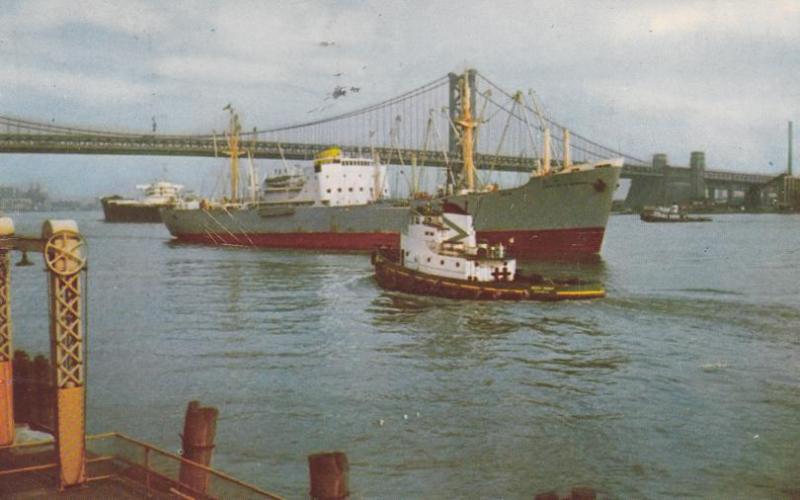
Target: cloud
(131, 16)
(74, 86)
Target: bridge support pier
(697, 165)
(644, 191)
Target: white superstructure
(335, 180)
(443, 244)
(159, 193)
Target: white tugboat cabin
(442, 243)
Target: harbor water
(683, 382)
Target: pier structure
(6, 348)
(44, 449)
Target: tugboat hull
(392, 276)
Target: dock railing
(117, 456)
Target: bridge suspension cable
(604, 151)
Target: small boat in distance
(439, 256)
(157, 195)
(671, 214)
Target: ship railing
(120, 459)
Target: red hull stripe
(521, 243)
(551, 242)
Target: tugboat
(439, 256)
(671, 214)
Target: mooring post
(582, 493)
(41, 412)
(329, 476)
(6, 350)
(65, 255)
(22, 387)
(199, 430)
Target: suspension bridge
(416, 127)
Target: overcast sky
(642, 76)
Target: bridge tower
(697, 165)
(660, 164)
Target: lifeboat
(439, 256)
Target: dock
(50, 455)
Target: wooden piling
(23, 389)
(199, 431)
(43, 403)
(329, 476)
(547, 495)
(582, 493)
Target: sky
(642, 76)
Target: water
(684, 382)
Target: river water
(683, 382)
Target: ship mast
(233, 151)
(467, 124)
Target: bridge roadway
(208, 146)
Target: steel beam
(6, 347)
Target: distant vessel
(157, 195)
(439, 255)
(339, 203)
(671, 214)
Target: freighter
(338, 203)
(157, 195)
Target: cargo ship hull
(130, 211)
(563, 214)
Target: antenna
(791, 141)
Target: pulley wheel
(65, 253)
